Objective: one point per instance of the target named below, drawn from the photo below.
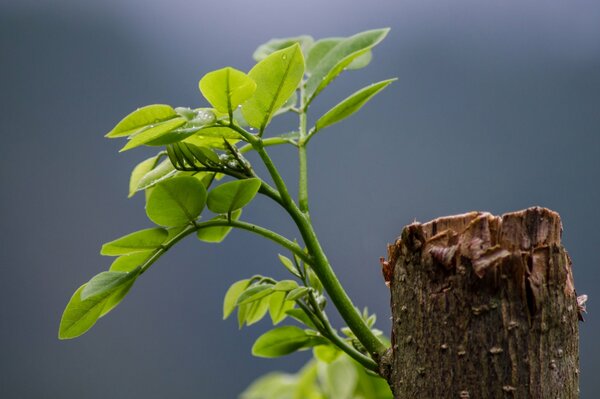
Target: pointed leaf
(153, 132)
(276, 77)
(289, 265)
(226, 88)
(176, 201)
(107, 282)
(127, 263)
(80, 315)
(320, 49)
(268, 48)
(278, 307)
(285, 285)
(301, 316)
(256, 311)
(339, 57)
(254, 294)
(142, 117)
(280, 341)
(139, 172)
(351, 104)
(116, 297)
(143, 240)
(297, 293)
(231, 296)
(217, 234)
(162, 171)
(233, 195)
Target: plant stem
(192, 228)
(320, 264)
(303, 172)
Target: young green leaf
(289, 265)
(127, 263)
(142, 240)
(339, 57)
(226, 88)
(285, 285)
(339, 378)
(80, 315)
(326, 353)
(176, 201)
(351, 104)
(139, 172)
(278, 306)
(297, 293)
(142, 117)
(233, 195)
(162, 171)
(280, 341)
(253, 312)
(301, 316)
(116, 297)
(276, 77)
(107, 282)
(217, 234)
(268, 48)
(153, 132)
(231, 296)
(254, 294)
(320, 49)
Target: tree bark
(483, 307)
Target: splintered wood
(483, 306)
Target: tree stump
(483, 307)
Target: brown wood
(483, 307)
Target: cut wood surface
(483, 306)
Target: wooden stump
(483, 307)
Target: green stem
(266, 143)
(303, 172)
(339, 341)
(271, 235)
(332, 285)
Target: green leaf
(285, 285)
(338, 378)
(153, 132)
(320, 49)
(268, 48)
(255, 293)
(314, 280)
(127, 263)
(326, 353)
(80, 315)
(143, 240)
(176, 201)
(116, 297)
(217, 234)
(276, 77)
(141, 169)
(280, 341)
(301, 316)
(351, 104)
(231, 296)
(107, 282)
(278, 307)
(289, 265)
(253, 312)
(274, 385)
(297, 293)
(339, 57)
(162, 171)
(226, 88)
(142, 117)
(233, 195)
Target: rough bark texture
(483, 307)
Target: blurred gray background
(496, 108)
